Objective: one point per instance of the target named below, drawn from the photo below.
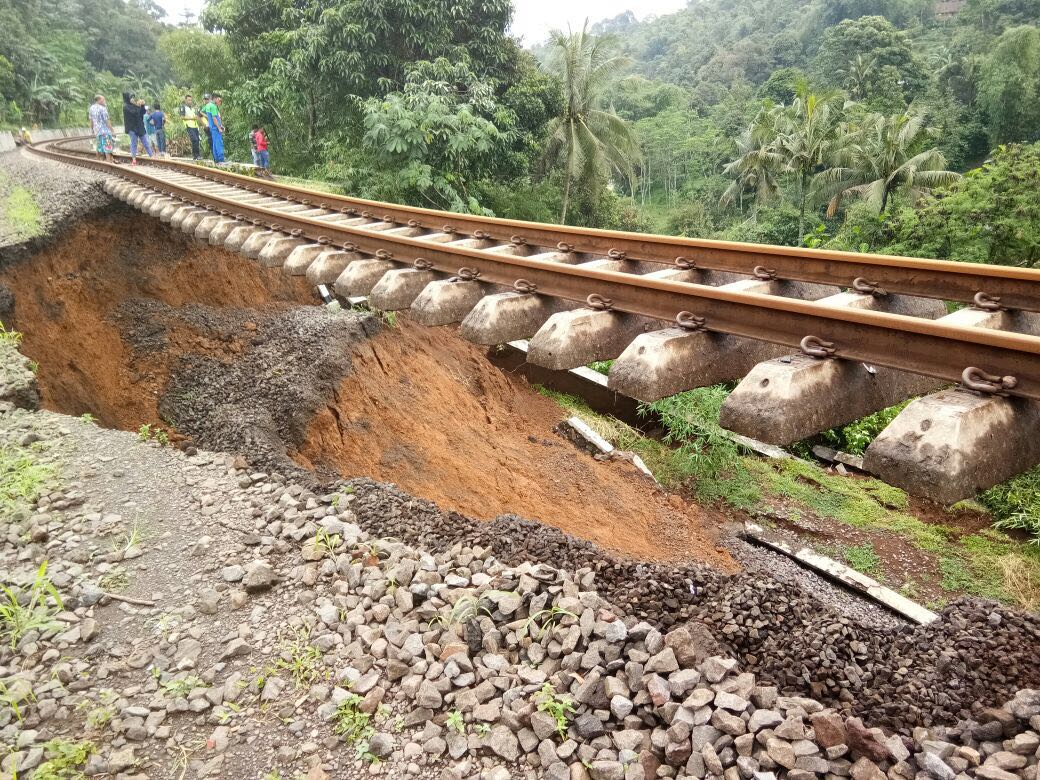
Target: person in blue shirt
(157, 120)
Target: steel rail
(911, 344)
(1015, 288)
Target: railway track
(820, 338)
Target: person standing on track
(262, 156)
(157, 120)
(216, 128)
(133, 124)
(101, 126)
(191, 124)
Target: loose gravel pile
(225, 623)
(977, 654)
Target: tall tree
(807, 132)
(1010, 86)
(591, 141)
(889, 153)
(758, 163)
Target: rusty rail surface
(993, 360)
(1012, 287)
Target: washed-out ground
(240, 616)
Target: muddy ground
(135, 324)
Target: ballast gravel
(61, 192)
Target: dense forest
(906, 126)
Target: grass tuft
(29, 609)
(22, 214)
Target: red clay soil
(66, 294)
(426, 410)
(422, 408)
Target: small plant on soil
(87, 417)
(327, 543)
(179, 688)
(130, 539)
(65, 759)
(455, 722)
(153, 433)
(11, 338)
(462, 611)
(351, 723)
(21, 478)
(482, 730)
(561, 710)
(115, 580)
(300, 659)
(14, 697)
(548, 618)
(29, 609)
(100, 716)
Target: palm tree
(757, 164)
(807, 134)
(858, 74)
(591, 141)
(889, 153)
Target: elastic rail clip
(564, 247)
(862, 286)
(525, 287)
(420, 264)
(324, 240)
(617, 254)
(685, 263)
(598, 302)
(349, 246)
(383, 254)
(295, 232)
(414, 223)
(978, 380)
(481, 235)
(467, 274)
(815, 347)
(765, 274)
(689, 321)
(517, 240)
(987, 302)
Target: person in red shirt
(263, 159)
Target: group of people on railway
(146, 127)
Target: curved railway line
(866, 331)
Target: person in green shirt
(216, 128)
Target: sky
(533, 18)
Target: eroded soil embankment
(135, 323)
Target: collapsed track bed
(137, 325)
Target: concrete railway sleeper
(859, 351)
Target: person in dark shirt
(157, 120)
(133, 124)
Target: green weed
(856, 436)
(548, 617)
(467, 608)
(561, 710)
(65, 759)
(15, 696)
(301, 659)
(327, 543)
(180, 687)
(455, 722)
(1016, 504)
(87, 417)
(351, 723)
(153, 433)
(9, 338)
(22, 478)
(29, 609)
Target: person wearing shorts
(101, 126)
